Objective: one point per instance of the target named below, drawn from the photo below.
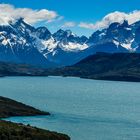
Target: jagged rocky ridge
(22, 43)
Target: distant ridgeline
(103, 66)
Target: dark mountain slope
(105, 66)
(12, 69)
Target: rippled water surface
(83, 109)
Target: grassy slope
(13, 131)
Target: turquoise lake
(83, 109)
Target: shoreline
(136, 80)
(11, 108)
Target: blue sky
(76, 11)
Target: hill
(104, 66)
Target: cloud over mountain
(9, 12)
(112, 17)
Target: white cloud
(87, 25)
(112, 17)
(9, 12)
(69, 24)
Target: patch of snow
(102, 34)
(74, 46)
(129, 29)
(128, 45)
(5, 42)
(1, 33)
(50, 44)
(2, 37)
(13, 36)
(73, 34)
(54, 52)
(116, 43)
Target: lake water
(83, 109)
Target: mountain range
(23, 43)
